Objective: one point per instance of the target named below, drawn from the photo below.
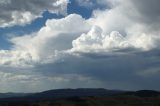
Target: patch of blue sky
(84, 11)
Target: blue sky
(55, 44)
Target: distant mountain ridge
(63, 93)
(144, 93)
(83, 97)
(10, 94)
(69, 93)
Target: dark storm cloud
(115, 71)
(148, 13)
(148, 8)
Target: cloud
(114, 48)
(56, 36)
(17, 12)
(118, 29)
(27, 80)
(96, 41)
(110, 71)
(15, 58)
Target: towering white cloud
(96, 41)
(18, 12)
(54, 37)
(119, 29)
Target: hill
(64, 93)
(10, 94)
(86, 97)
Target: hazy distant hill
(8, 95)
(64, 93)
(86, 97)
(144, 93)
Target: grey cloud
(115, 72)
(18, 12)
(148, 8)
(128, 71)
(148, 13)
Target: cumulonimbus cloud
(120, 29)
(106, 31)
(55, 36)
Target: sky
(54, 44)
